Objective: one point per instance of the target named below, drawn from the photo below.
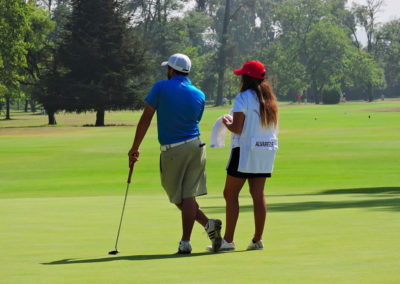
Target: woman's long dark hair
(266, 98)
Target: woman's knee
(257, 194)
(230, 196)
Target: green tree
(305, 44)
(13, 27)
(388, 52)
(294, 20)
(38, 56)
(222, 52)
(47, 91)
(363, 72)
(315, 47)
(165, 30)
(366, 17)
(101, 57)
(242, 28)
(285, 72)
(2, 92)
(327, 54)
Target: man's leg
(200, 216)
(189, 213)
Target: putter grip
(130, 172)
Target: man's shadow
(140, 257)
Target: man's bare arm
(141, 130)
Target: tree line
(101, 55)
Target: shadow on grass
(377, 202)
(28, 126)
(108, 125)
(372, 190)
(67, 125)
(369, 190)
(392, 204)
(131, 257)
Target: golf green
(333, 202)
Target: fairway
(333, 202)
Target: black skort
(234, 164)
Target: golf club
(116, 251)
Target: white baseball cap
(179, 62)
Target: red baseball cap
(253, 69)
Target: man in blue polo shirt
(179, 106)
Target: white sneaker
(225, 246)
(184, 247)
(213, 229)
(256, 245)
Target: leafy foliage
(100, 56)
(13, 28)
(331, 95)
(97, 55)
(388, 52)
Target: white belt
(169, 146)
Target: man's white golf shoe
(213, 229)
(256, 245)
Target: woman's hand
(234, 124)
(227, 119)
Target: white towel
(218, 134)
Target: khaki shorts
(182, 170)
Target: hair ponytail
(266, 98)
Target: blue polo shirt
(179, 107)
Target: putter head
(113, 252)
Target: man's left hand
(133, 155)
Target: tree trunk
(220, 90)
(370, 92)
(33, 106)
(8, 107)
(52, 118)
(26, 105)
(222, 54)
(315, 93)
(201, 5)
(100, 117)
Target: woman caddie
(254, 128)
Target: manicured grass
(334, 202)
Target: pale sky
(389, 11)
